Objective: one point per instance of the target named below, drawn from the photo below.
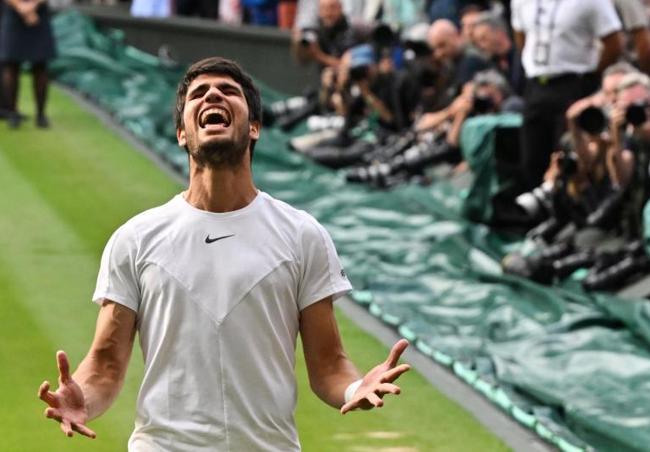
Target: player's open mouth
(214, 117)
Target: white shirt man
(562, 35)
(565, 44)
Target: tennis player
(218, 283)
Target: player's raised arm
(99, 378)
(332, 375)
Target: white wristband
(351, 389)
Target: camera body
(594, 120)
(308, 36)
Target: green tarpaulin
(572, 366)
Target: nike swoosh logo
(209, 240)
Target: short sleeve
(321, 272)
(117, 279)
(606, 20)
(632, 14)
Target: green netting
(571, 366)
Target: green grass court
(63, 192)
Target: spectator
(26, 36)
(151, 8)
(562, 65)
(491, 36)
(208, 9)
(307, 12)
(230, 12)
(399, 14)
(287, 13)
(635, 23)
(260, 12)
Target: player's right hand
(67, 405)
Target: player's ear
(180, 137)
(254, 130)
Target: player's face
(216, 131)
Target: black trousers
(545, 105)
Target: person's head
(362, 63)
(633, 88)
(491, 35)
(468, 17)
(612, 76)
(330, 12)
(444, 39)
(633, 96)
(218, 113)
(491, 88)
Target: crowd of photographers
(574, 71)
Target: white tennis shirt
(217, 297)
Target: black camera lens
(358, 73)
(592, 120)
(483, 105)
(568, 162)
(635, 114)
(382, 35)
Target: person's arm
(520, 40)
(576, 134)
(641, 40)
(461, 108)
(375, 102)
(93, 387)
(330, 370)
(612, 50)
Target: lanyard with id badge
(544, 34)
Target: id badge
(542, 53)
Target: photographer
(587, 130)
(599, 181)
(436, 134)
(328, 40)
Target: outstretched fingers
(396, 352)
(45, 395)
(53, 413)
(66, 427)
(64, 366)
(387, 388)
(83, 430)
(394, 373)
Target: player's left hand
(379, 381)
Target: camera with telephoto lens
(593, 120)
(359, 73)
(410, 161)
(539, 203)
(568, 164)
(483, 104)
(382, 35)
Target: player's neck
(220, 190)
